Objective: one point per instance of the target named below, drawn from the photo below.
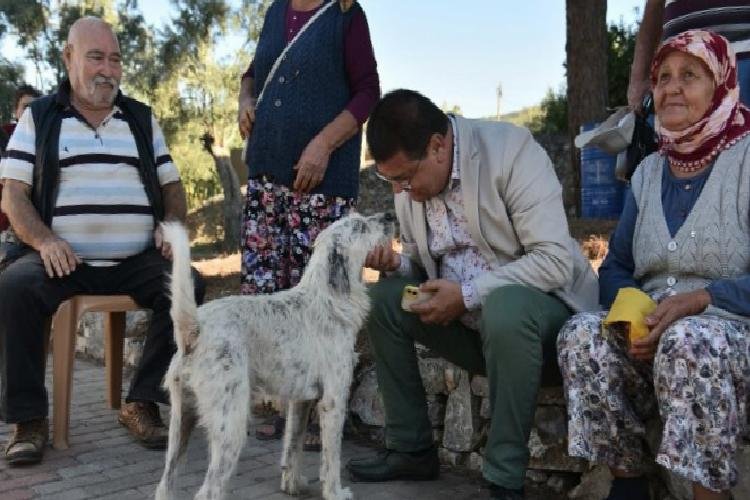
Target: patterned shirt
(449, 241)
(102, 209)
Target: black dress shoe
(629, 488)
(390, 465)
(502, 493)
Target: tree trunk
(586, 49)
(232, 202)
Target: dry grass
(222, 270)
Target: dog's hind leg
(224, 414)
(332, 410)
(298, 413)
(181, 423)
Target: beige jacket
(513, 205)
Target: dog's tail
(184, 311)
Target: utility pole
(499, 99)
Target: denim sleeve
(732, 295)
(617, 269)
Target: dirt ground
(221, 269)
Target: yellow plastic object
(631, 306)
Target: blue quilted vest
(308, 91)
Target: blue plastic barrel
(601, 192)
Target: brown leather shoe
(26, 445)
(144, 423)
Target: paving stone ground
(104, 463)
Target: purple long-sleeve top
(359, 57)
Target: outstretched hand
(383, 258)
(445, 305)
(666, 313)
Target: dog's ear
(338, 269)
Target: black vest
(48, 112)
(307, 92)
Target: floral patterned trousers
(279, 229)
(698, 383)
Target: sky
(457, 55)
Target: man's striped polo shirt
(102, 209)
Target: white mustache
(99, 80)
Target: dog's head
(346, 242)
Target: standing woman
(315, 73)
(684, 239)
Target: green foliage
(554, 117)
(621, 48)
(10, 78)
(554, 113)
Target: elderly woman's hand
(312, 165)
(246, 116)
(667, 312)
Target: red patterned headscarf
(726, 121)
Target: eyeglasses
(403, 184)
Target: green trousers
(516, 340)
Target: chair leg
(64, 327)
(114, 335)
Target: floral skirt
(279, 229)
(698, 383)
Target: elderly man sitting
(87, 178)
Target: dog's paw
(343, 494)
(293, 484)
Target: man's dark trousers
(28, 298)
(517, 337)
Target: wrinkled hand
(446, 304)
(58, 257)
(246, 116)
(166, 248)
(383, 258)
(312, 165)
(636, 92)
(667, 312)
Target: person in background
(684, 239)
(25, 94)
(304, 140)
(665, 18)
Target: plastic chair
(64, 326)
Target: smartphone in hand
(412, 295)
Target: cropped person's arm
(646, 42)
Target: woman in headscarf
(684, 239)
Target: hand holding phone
(413, 295)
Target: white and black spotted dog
(297, 344)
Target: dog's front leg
(332, 410)
(298, 413)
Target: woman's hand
(667, 312)
(312, 165)
(246, 116)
